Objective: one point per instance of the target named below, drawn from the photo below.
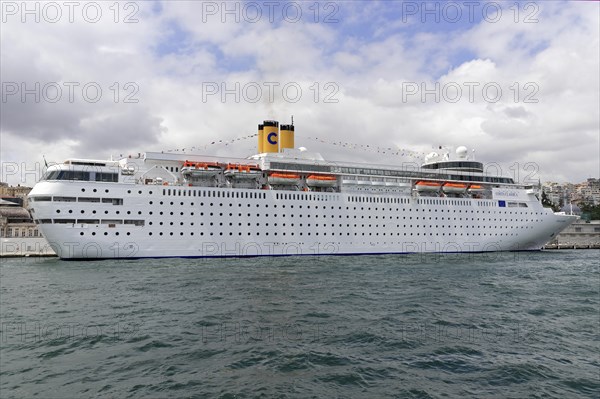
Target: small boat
(430, 186)
(284, 178)
(476, 188)
(239, 171)
(321, 181)
(454, 188)
(200, 168)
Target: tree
(590, 209)
(546, 203)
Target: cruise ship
(284, 201)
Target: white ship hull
(157, 221)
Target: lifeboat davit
(284, 178)
(454, 188)
(321, 181)
(428, 186)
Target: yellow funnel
(286, 137)
(261, 138)
(270, 136)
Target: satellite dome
(462, 151)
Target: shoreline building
(19, 235)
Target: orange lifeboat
(321, 180)
(431, 186)
(207, 165)
(454, 188)
(284, 178)
(200, 168)
(476, 188)
(239, 171)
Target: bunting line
(390, 151)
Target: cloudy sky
(519, 83)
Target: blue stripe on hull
(288, 255)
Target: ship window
(114, 201)
(135, 222)
(65, 199)
(111, 221)
(40, 199)
(88, 221)
(68, 175)
(106, 177)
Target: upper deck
(280, 166)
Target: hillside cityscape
(580, 198)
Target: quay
(572, 246)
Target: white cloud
(172, 51)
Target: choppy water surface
(487, 325)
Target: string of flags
(389, 151)
(397, 151)
(214, 143)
